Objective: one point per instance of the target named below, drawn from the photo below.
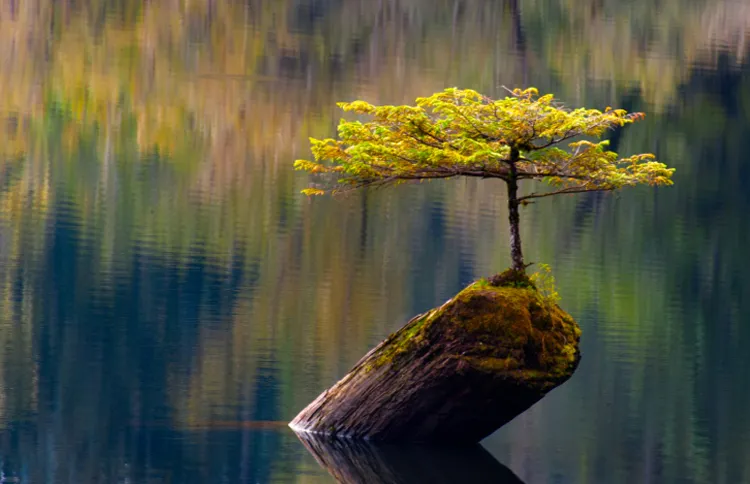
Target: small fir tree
(463, 133)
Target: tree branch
(439, 140)
(532, 175)
(571, 133)
(422, 141)
(567, 135)
(456, 109)
(424, 175)
(564, 191)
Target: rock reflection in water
(355, 462)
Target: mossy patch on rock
(507, 329)
(510, 278)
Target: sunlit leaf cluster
(523, 136)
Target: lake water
(168, 299)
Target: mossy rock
(511, 331)
(455, 373)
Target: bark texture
(454, 374)
(356, 462)
(514, 219)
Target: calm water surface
(168, 299)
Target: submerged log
(354, 462)
(454, 374)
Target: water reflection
(41, 452)
(157, 263)
(356, 462)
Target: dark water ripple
(168, 300)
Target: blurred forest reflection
(158, 268)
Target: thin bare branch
(564, 191)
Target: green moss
(491, 364)
(511, 278)
(511, 330)
(403, 341)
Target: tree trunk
(454, 374)
(514, 219)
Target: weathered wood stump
(454, 374)
(356, 462)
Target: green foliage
(545, 284)
(463, 133)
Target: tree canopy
(464, 133)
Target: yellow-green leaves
(545, 284)
(309, 166)
(313, 191)
(460, 132)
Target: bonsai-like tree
(463, 133)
